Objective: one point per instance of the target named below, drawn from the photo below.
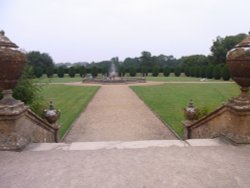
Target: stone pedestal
(12, 137)
(186, 124)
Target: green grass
(70, 100)
(77, 78)
(174, 79)
(168, 100)
(55, 79)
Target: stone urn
(12, 63)
(190, 112)
(238, 60)
(51, 114)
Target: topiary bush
(60, 72)
(72, 72)
(132, 71)
(166, 71)
(155, 71)
(177, 71)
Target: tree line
(211, 66)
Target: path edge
(72, 125)
(168, 126)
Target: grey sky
(95, 30)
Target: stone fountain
(114, 78)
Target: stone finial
(51, 114)
(5, 41)
(190, 111)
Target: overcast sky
(95, 30)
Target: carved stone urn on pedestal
(190, 113)
(12, 62)
(52, 115)
(238, 60)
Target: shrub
(225, 73)
(209, 72)
(94, 71)
(28, 91)
(166, 71)
(50, 72)
(155, 71)
(203, 72)
(38, 72)
(132, 71)
(144, 71)
(82, 71)
(187, 71)
(197, 71)
(217, 72)
(122, 71)
(177, 71)
(72, 72)
(60, 72)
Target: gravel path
(116, 113)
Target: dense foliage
(196, 65)
(42, 63)
(28, 91)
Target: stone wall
(18, 130)
(224, 121)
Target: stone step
(124, 144)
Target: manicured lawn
(168, 100)
(182, 78)
(55, 79)
(173, 79)
(70, 100)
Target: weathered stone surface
(22, 127)
(229, 122)
(153, 167)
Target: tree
(50, 72)
(144, 71)
(28, 91)
(222, 45)
(187, 71)
(177, 71)
(198, 72)
(94, 71)
(155, 71)
(82, 71)
(194, 60)
(146, 62)
(217, 72)
(122, 71)
(209, 71)
(39, 60)
(72, 72)
(132, 71)
(60, 72)
(225, 73)
(38, 72)
(166, 71)
(203, 72)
